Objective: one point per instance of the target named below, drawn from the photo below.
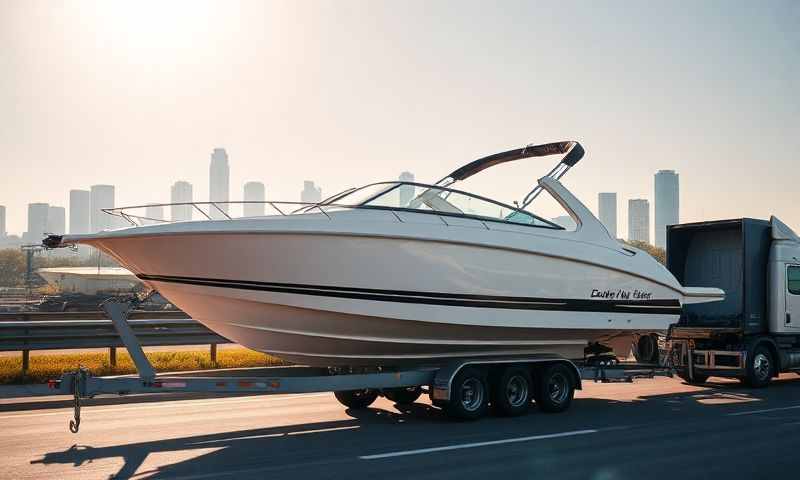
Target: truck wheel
(555, 388)
(698, 379)
(356, 399)
(469, 395)
(403, 395)
(512, 391)
(760, 366)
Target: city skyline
(141, 92)
(607, 211)
(181, 192)
(311, 193)
(219, 174)
(666, 198)
(255, 191)
(639, 220)
(80, 211)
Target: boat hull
(326, 338)
(345, 299)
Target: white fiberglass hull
(330, 295)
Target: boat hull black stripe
(652, 303)
(652, 307)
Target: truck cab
(784, 280)
(754, 333)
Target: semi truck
(754, 334)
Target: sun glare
(149, 27)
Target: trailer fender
(443, 381)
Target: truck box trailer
(754, 334)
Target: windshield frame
(393, 185)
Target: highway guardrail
(29, 331)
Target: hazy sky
(137, 94)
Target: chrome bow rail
(138, 220)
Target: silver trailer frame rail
(81, 384)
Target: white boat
(400, 272)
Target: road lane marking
(163, 404)
(753, 412)
(477, 444)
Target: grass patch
(44, 367)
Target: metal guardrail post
(214, 353)
(26, 362)
(112, 354)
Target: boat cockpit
(440, 199)
(419, 197)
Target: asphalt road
(650, 430)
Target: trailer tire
(356, 399)
(647, 349)
(512, 391)
(403, 395)
(760, 368)
(555, 388)
(469, 395)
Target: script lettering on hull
(620, 294)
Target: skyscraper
(80, 211)
(310, 193)
(607, 211)
(102, 196)
(37, 222)
(219, 177)
(2, 221)
(181, 192)
(406, 191)
(639, 220)
(254, 192)
(56, 220)
(154, 213)
(667, 206)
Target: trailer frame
(439, 379)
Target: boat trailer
(444, 382)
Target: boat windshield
(415, 196)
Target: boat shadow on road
(328, 445)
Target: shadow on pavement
(326, 444)
(66, 401)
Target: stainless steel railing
(138, 220)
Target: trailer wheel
(512, 391)
(469, 395)
(356, 399)
(403, 395)
(647, 349)
(555, 388)
(759, 368)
